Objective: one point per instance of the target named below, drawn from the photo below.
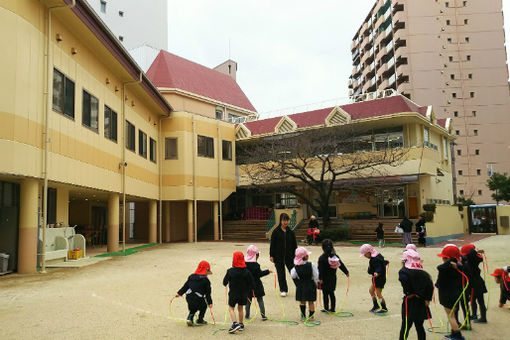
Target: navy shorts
(234, 300)
(380, 281)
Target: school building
(122, 154)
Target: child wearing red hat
(471, 259)
(418, 288)
(198, 291)
(306, 276)
(501, 277)
(449, 285)
(376, 268)
(252, 255)
(240, 283)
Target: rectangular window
(468, 57)
(219, 113)
(460, 172)
(445, 147)
(465, 21)
(475, 132)
(466, 39)
(90, 109)
(457, 132)
(51, 208)
(103, 6)
(449, 40)
(478, 172)
(110, 124)
(63, 94)
(464, 3)
(474, 113)
(226, 150)
(205, 146)
(426, 134)
(152, 150)
(472, 94)
(170, 148)
(454, 95)
(450, 58)
(479, 192)
(452, 76)
(459, 152)
(455, 113)
(477, 152)
(470, 76)
(130, 136)
(448, 22)
(461, 192)
(121, 13)
(142, 143)
(447, 4)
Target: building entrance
(391, 202)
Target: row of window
(475, 132)
(461, 192)
(205, 148)
(456, 113)
(63, 102)
(478, 172)
(459, 152)
(447, 4)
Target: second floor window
(63, 94)
(226, 149)
(426, 134)
(205, 146)
(170, 148)
(142, 143)
(152, 150)
(90, 110)
(130, 136)
(110, 124)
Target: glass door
(391, 202)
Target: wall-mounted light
(74, 50)
(58, 37)
(132, 103)
(107, 81)
(116, 88)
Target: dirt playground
(128, 298)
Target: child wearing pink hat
(306, 277)
(376, 268)
(418, 287)
(252, 255)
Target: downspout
(47, 128)
(161, 153)
(220, 144)
(194, 141)
(124, 164)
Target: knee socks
(303, 310)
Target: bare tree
(316, 160)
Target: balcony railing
(392, 79)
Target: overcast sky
(289, 53)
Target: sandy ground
(128, 298)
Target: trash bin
(4, 262)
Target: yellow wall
(177, 175)
(503, 211)
(447, 221)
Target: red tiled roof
(171, 71)
(361, 110)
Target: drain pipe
(124, 164)
(47, 129)
(220, 145)
(195, 179)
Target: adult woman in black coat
(281, 251)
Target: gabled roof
(361, 110)
(171, 71)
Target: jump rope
(339, 312)
(375, 292)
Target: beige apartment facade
(450, 54)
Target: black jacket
(449, 282)
(420, 226)
(406, 225)
(505, 293)
(197, 284)
(377, 265)
(313, 224)
(380, 233)
(255, 271)
(240, 282)
(328, 274)
(471, 264)
(418, 288)
(283, 245)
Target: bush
(430, 207)
(429, 216)
(335, 234)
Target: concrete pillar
(190, 221)
(153, 222)
(167, 234)
(113, 223)
(215, 219)
(63, 206)
(28, 215)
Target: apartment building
(450, 54)
(84, 132)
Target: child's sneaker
(374, 309)
(201, 322)
(264, 318)
(381, 311)
(303, 318)
(189, 320)
(480, 320)
(241, 326)
(283, 294)
(324, 310)
(235, 327)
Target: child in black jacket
(472, 259)
(252, 255)
(376, 268)
(240, 284)
(198, 291)
(418, 288)
(380, 234)
(449, 284)
(501, 278)
(328, 263)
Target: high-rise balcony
(398, 6)
(353, 45)
(399, 17)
